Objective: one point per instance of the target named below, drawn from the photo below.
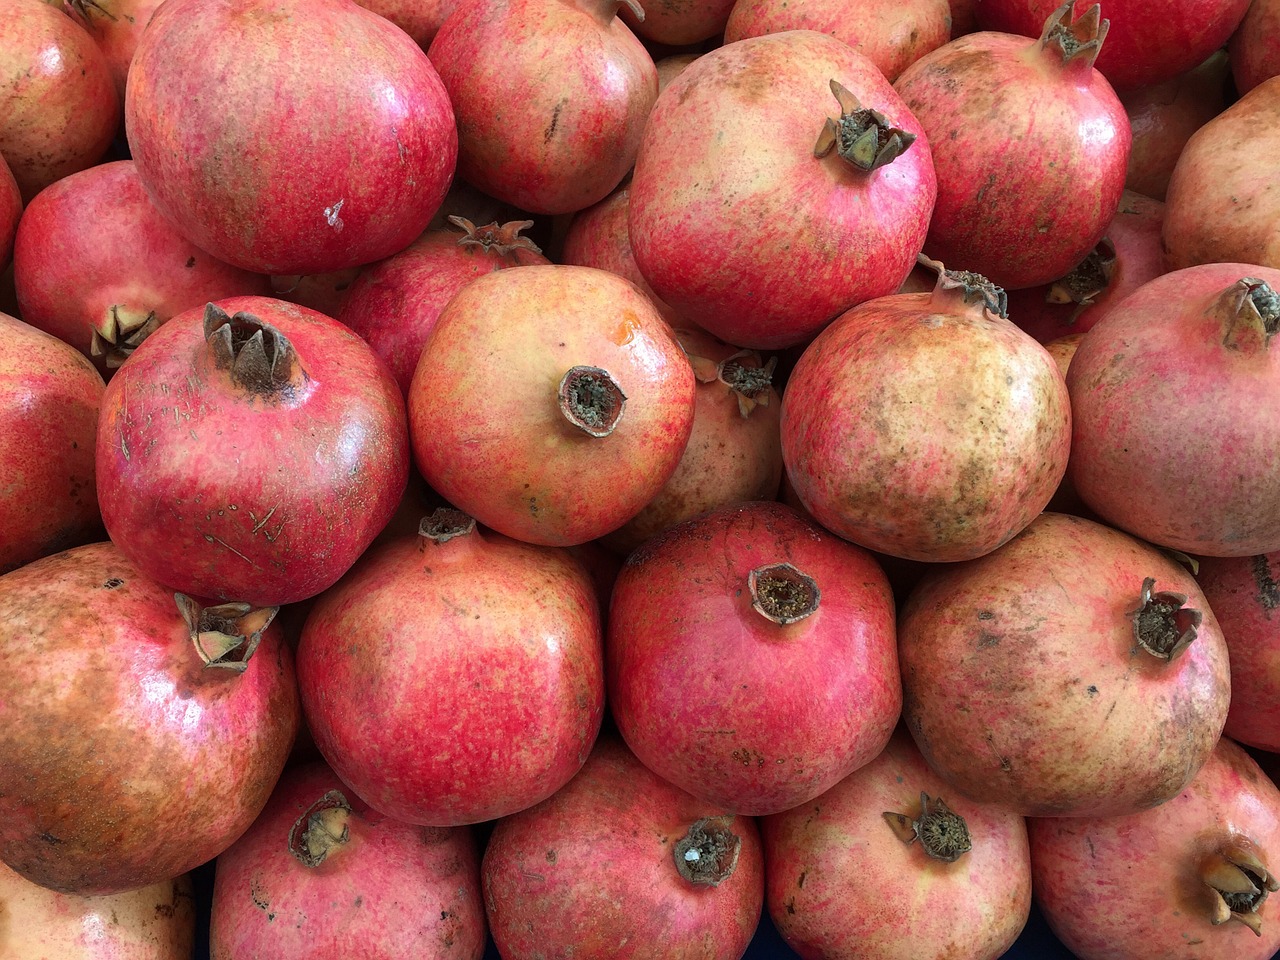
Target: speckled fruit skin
(220, 493)
(1023, 683)
(1254, 49)
(58, 103)
(457, 681)
(50, 399)
(10, 212)
(1031, 155)
(1244, 594)
(420, 19)
(745, 713)
(832, 860)
(925, 427)
(155, 923)
(1127, 888)
(1159, 372)
(116, 27)
(1222, 206)
(590, 872)
(127, 760)
(739, 227)
(94, 243)
(551, 98)
(392, 890)
(487, 432)
(330, 144)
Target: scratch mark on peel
(331, 216)
(210, 538)
(259, 524)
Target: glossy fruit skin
(831, 859)
(486, 430)
(739, 227)
(455, 682)
(50, 399)
(1254, 49)
(1031, 153)
(296, 167)
(551, 98)
(704, 688)
(1023, 683)
(1160, 369)
(10, 212)
(390, 890)
(139, 762)
(1079, 863)
(589, 872)
(218, 493)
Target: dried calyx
(591, 400)
(321, 829)
(942, 832)
(1078, 41)
(1088, 281)
(972, 287)
(708, 853)
(225, 635)
(782, 593)
(744, 373)
(257, 356)
(494, 238)
(120, 333)
(1239, 882)
(1250, 314)
(445, 523)
(1162, 626)
(863, 137)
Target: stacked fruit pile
(582, 476)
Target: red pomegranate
(959, 872)
(331, 141)
(1186, 355)
(756, 215)
(116, 27)
(1254, 49)
(964, 17)
(715, 625)
(1188, 879)
(926, 426)
(551, 98)
(456, 676)
(97, 265)
(10, 212)
(323, 292)
(1031, 674)
(673, 23)
(621, 864)
(250, 451)
(50, 399)
(321, 875)
(141, 736)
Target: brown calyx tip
(782, 593)
(445, 523)
(863, 137)
(321, 829)
(1075, 41)
(120, 333)
(495, 238)
(972, 287)
(1088, 281)
(1162, 626)
(1240, 883)
(591, 400)
(942, 832)
(749, 377)
(258, 357)
(1249, 314)
(225, 635)
(708, 853)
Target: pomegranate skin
(10, 212)
(331, 143)
(1130, 888)
(832, 859)
(739, 227)
(1023, 683)
(1254, 49)
(717, 697)
(1031, 148)
(385, 890)
(128, 761)
(116, 27)
(454, 681)
(420, 19)
(591, 872)
(675, 24)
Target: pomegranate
(1186, 355)
(50, 398)
(250, 451)
(155, 923)
(10, 212)
(1255, 47)
(395, 303)
(97, 265)
(676, 24)
(713, 626)
(321, 875)
(960, 872)
(457, 676)
(116, 27)
(58, 107)
(551, 403)
(141, 737)
(926, 426)
(1065, 499)
(1029, 674)
(1168, 882)
(420, 19)
(671, 67)
(1031, 145)
(619, 863)
(1222, 206)
(330, 144)
(551, 98)
(326, 293)
(964, 17)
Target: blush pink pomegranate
(959, 871)
(116, 27)
(420, 19)
(330, 144)
(250, 451)
(319, 872)
(142, 732)
(620, 863)
(1031, 146)
(780, 181)
(1191, 878)
(1030, 674)
(1254, 49)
